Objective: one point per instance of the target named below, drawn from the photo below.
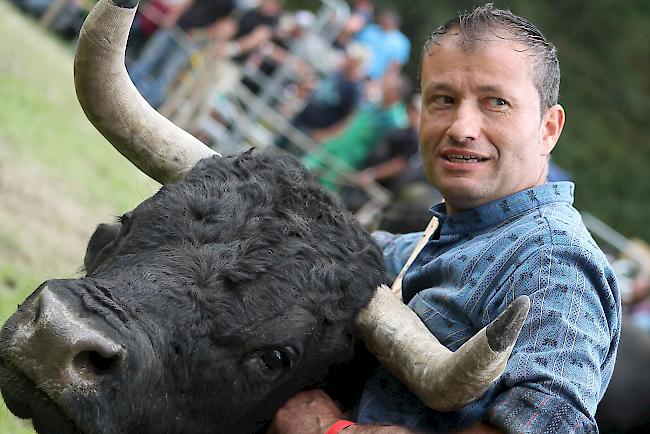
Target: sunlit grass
(46, 138)
(40, 118)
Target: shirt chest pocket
(439, 319)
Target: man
(489, 122)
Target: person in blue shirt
(489, 121)
(390, 48)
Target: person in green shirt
(349, 149)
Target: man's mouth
(458, 158)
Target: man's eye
(443, 100)
(496, 102)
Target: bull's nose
(59, 349)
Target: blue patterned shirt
(478, 261)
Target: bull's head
(211, 303)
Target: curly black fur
(231, 290)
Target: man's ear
(551, 128)
(100, 242)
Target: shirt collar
(493, 213)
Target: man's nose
(466, 123)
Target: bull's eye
(270, 364)
(275, 359)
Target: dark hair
(392, 15)
(473, 26)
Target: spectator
(334, 99)
(389, 47)
(390, 160)
(361, 16)
(277, 51)
(367, 126)
(147, 20)
(164, 55)
(255, 27)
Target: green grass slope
(58, 177)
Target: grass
(41, 118)
(12, 278)
(58, 176)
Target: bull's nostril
(93, 363)
(37, 310)
(101, 363)
(31, 313)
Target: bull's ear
(99, 243)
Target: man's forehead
(494, 65)
(495, 51)
(477, 41)
(444, 86)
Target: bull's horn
(112, 103)
(443, 380)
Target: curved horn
(112, 103)
(443, 380)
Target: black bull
(203, 310)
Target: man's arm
(385, 170)
(564, 356)
(249, 42)
(396, 249)
(322, 134)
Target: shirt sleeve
(564, 357)
(396, 249)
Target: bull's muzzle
(58, 349)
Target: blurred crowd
(350, 96)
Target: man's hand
(310, 412)
(365, 177)
(313, 412)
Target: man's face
(482, 136)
